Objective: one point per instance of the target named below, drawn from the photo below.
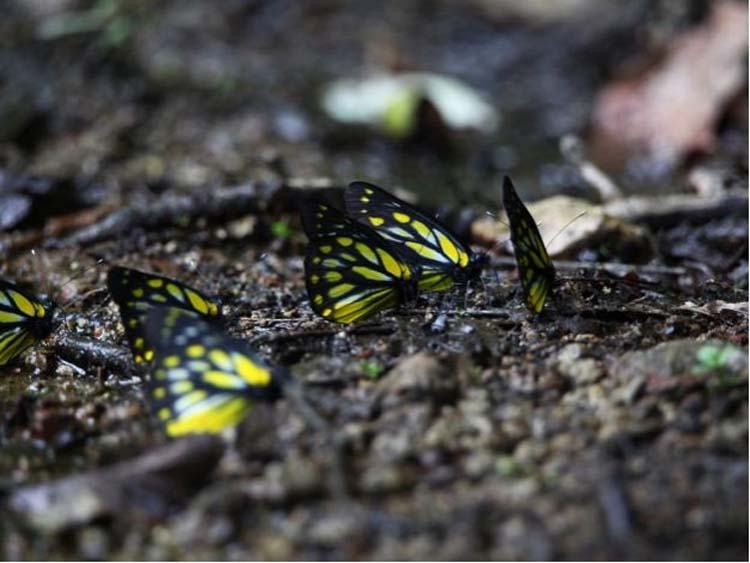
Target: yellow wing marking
(250, 371)
(26, 306)
(448, 248)
(390, 263)
(211, 418)
(370, 274)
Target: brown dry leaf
(566, 224)
(673, 109)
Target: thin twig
(612, 267)
(178, 210)
(498, 313)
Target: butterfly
(136, 292)
(535, 269)
(24, 320)
(444, 260)
(202, 379)
(351, 273)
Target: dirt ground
(179, 137)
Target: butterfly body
(351, 273)
(136, 293)
(24, 320)
(443, 259)
(535, 269)
(203, 380)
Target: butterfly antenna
(74, 277)
(498, 242)
(40, 265)
(568, 224)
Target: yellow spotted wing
(351, 273)
(444, 260)
(136, 292)
(24, 320)
(202, 379)
(535, 269)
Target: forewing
(136, 293)
(203, 380)
(428, 242)
(535, 269)
(319, 219)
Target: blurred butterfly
(24, 320)
(444, 260)
(535, 269)
(202, 379)
(351, 273)
(137, 292)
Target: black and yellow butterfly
(137, 292)
(24, 320)
(352, 273)
(202, 379)
(444, 260)
(535, 269)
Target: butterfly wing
(203, 380)
(350, 272)
(24, 320)
(137, 292)
(444, 259)
(535, 268)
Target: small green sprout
(281, 229)
(371, 368)
(507, 466)
(721, 361)
(712, 358)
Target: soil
(179, 137)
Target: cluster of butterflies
(378, 256)
(202, 379)
(383, 251)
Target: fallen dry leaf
(673, 109)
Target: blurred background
(440, 97)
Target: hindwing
(202, 379)
(351, 273)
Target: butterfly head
(410, 286)
(47, 317)
(478, 262)
(275, 389)
(473, 270)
